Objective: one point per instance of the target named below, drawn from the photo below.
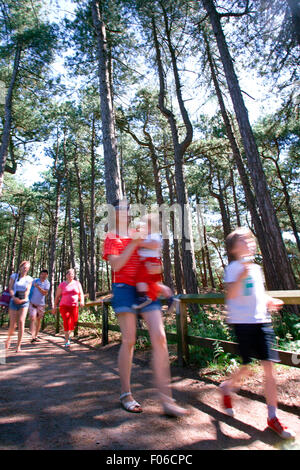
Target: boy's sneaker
(227, 403)
(281, 430)
(142, 302)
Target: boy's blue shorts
(125, 296)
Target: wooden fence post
(179, 336)
(105, 324)
(184, 332)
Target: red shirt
(115, 245)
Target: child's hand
(138, 236)
(274, 304)
(245, 273)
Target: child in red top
(149, 274)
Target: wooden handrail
(291, 297)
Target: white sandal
(130, 405)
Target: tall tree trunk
(68, 205)
(236, 206)
(92, 284)
(21, 237)
(36, 244)
(82, 223)
(177, 257)
(212, 281)
(148, 143)
(287, 199)
(8, 116)
(295, 12)
(54, 226)
(111, 163)
(283, 275)
(188, 257)
(13, 248)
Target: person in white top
(19, 288)
(247, 311)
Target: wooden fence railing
(181, 336)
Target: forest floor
(53, 399)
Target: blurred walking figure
(68, 294)
(121, 251)
(247, 305)
(19, 287)
(39, 290)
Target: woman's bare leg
(12, 326)
(127, 322)
(160, 354)
(21, 325)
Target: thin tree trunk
(283, 276)
(8, 116)
(68, 205)
(188, 257)
(287, 199)
(82, 223)
(236, 206)
(92, 284)
(36, 247)
(21, 237)
(111, 163)
(54, 227)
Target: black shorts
(256, 340)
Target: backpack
(5, 298)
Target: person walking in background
(39, 290)
(19, 288)
(247, 304)
(68, 294)
(121, 251)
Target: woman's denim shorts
(125, 296)
(14, 306)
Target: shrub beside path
(52, 399)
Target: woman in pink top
(69, 292)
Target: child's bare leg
(141, 287)
(270, 385)
(235, 379)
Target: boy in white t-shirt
(247, 311)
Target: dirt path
(53, 399)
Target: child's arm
(151, 244)
(118, 261)
(274, 304)
(233, 288)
